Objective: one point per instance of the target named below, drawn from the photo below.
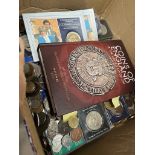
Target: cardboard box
(120, 16)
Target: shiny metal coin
(73, 122)
(103, 29)
(92, 70)
(66, 141)
(56, 143)
(56, 148)
(73, 37)
(52, 129)
(94, 120)
(57, 140)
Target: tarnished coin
(103, 29)
(73, 37)
(37, 109)
(76, 134)
(73, 122)
(35, 104)
(52, 129)
(30, 87)
(63, 127)
(92, 70)
(66, 140)
(94, 120)
(56, 143)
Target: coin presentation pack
(94, 122)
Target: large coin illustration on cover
(92, 70)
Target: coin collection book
(82, 74)
(78, 88)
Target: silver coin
(103, 30)
(73, 37)
(52, 129)
(94, 120)
(66, 141)
(57, 140)
(56, 148)
(92, 70)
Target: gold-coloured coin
(73, 122)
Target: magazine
(66, 26)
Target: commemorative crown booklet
(66, 26)
(82, 74)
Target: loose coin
(56, 143)
(73, 122)
(66, 140)
(94, 120)
(76, 134)
(56, 148)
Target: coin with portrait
(73, 37)
(94, 120)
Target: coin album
(85, 73)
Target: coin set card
(94, 122)
(67, 26)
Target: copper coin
(76, 134)
(37, 109)
(73, 122)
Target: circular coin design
(52, 129)
(56, 143)
(66, 141)
(76, 134)
(92, 70)
(103, 29)
(73, 37)
(73, 122)
(94, 120)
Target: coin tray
(104, 127)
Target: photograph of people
(44, 37)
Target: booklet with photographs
(67, 26)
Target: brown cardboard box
(120, 16)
